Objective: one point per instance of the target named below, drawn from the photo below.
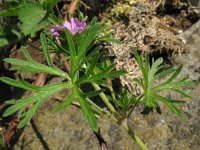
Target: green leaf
(46, 50)
(10, 12)
(21, 104)
(34, 67)
(92, 94)
(89, 56)
(93, 63)
(53, 19)
(154, 69)
(141, 65)
(48, 3)
(139, 82)
(64, 105)
(182, 93)
(27, 55)
(33, 18)
(87, 112)
(108, 38)
(166, 100)
(70, 42)
(97, 77)
(21, 84)
(150, 100)
(55, 87)
(169, 103)
(1, 139)
(35, 101)
(175, 74)
(173, 85)
(164, 73)
(9, 34)
(27, 118)
(29, 115)
(87, 38)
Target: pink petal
(59, 28)
(82, 25)
(52, 30)
(73, 23)
(68, 25)
(55, 34)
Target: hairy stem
(135, 138)
(101, 111)
(106, 101)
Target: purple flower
(75, 26)
(54, 32)
(59, 28)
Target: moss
(120, 10)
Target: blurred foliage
(21, 18)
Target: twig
(72, 6)
(101, 140)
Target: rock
(191, 59)
(68, 131)
(195, 3)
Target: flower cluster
(74, 26)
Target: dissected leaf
(99, 76)
(154, 69)
(87, 112)
(87, 38)
(176, 73)
(23, 65)
(173, 85)
(20, 84)
(66, 103)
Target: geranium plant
(81, 45)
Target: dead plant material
(142, 30)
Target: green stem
(100, 110)
(135, 138)
(106, 101)
(112, 92)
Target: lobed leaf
(154, 69)
(34, 67)
(99, 76)
(87, 112)
(176, 73)
(21, 84)
(173, 85)
(64, 105)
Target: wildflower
(54, 32)
(59, 28)
(75, 26)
